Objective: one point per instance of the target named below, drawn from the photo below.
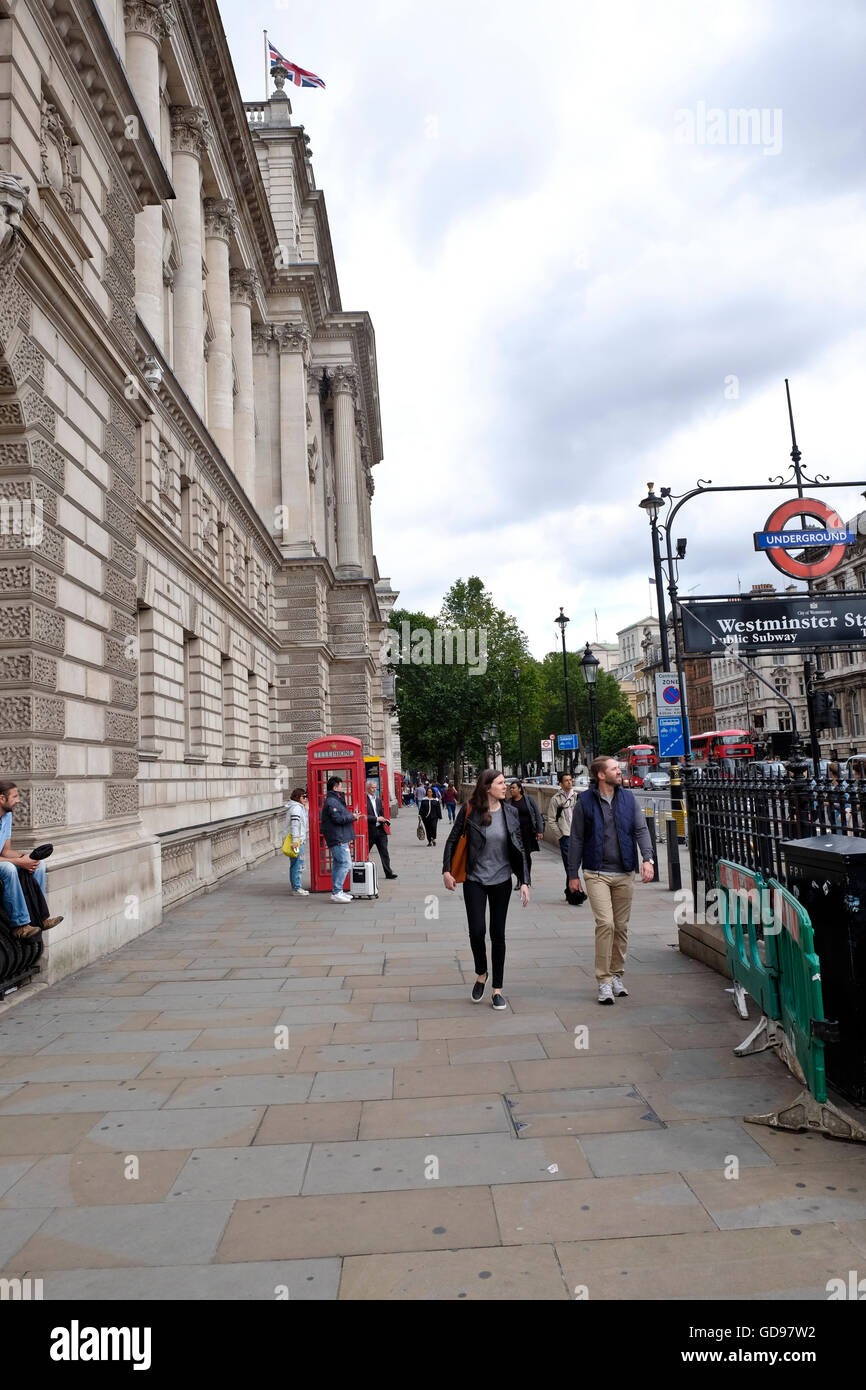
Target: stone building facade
(189, 422)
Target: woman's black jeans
(476, 896)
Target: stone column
(316, 460)
(220, 221)
(345, 385)
(294, 345)
(243, 288)
(146, 26)
(189, 135)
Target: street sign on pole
(547, 750)
(566, 742)
(670, 719)
(671, 741)
(668, 692)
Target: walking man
(559, 816)
(609, 837)
(376, 824)
(338, 829)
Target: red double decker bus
(721, 745)
(635, 761)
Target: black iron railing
(19, 960)
(734, 812)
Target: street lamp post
(561, 622)
(589, 666)
(653, 505)
(519, 718)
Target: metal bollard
(675, 881)
(651, 827)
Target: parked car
(656, 779)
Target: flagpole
(267, 70)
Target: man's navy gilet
(593, 829)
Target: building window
(855, 714)
(785, 721)
(778, 658)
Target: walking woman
(531, 822)
(449, 800)
(430, 811)
(494, 850)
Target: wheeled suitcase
(364, 884)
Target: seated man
(10, 864)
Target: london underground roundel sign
(832, 537)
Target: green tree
(617, 730)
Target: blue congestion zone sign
(670, 719)
(566, 742)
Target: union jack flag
(299, 76)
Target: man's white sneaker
(605, 993)
(619, 989)
(347, 897)
(340, 898)
(301, 892)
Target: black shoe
(478, 990)
(391, 875)
(498, 1001)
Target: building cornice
(81, 45)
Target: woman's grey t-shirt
(492, 865)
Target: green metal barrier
(800, 987)
(743, 901)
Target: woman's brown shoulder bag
(458, 858)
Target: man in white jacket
(298, 826)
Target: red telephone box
(337, 756)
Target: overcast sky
(576, 287)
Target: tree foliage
(445, 708)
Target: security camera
(681, 548)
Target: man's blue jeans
(13, 898)
(563, 849)
(295, 867)
(341, 863)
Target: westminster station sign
(796, 623)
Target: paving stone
(45, 1134)
(149, 1234)
(598, 1209)
(728, 1033)
(28, 1039)
(787, 1147)
(767, 1265)
(293, 1124)
(699, 1063)
(296, 1280)
(748, 1095)
(120, 1042)
(707, 1144)
(374, 1032)
(11, 1169)
(16, 1228)
(792, 1195)
(244, 1061)
(360, 1224)
(601, 1041)
(273, 1170)
(66, 1098)
(369, 1054)
(96, 1179)
(521, 1273)
(173, 1129)
(211, 1019)
(484, 1021)
(515, 1048)
(465, 1080)
(377, 1083)
(78, 1067)
(583, 1069)
(296, 1014)
(241, 1090)
(463, 1160)
(395, 1119)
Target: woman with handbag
(297, 830)
(430, 811)
(483, 850)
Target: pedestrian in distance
(449, 801)
(559, 816)
(609, 837)
(494, 851)
(430, 811)
(376, 828)
(338, 830)
(298, 826)
(531, 822)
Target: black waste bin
(828, 875)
